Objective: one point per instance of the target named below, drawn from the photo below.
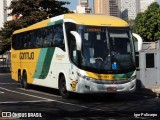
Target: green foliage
(147, 24)
(29, 12)
(131, 24)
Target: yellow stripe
(41, 24)
(102, 76)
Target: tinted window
(40, 38)
(71, 42)
(150, 60)
(137, 60)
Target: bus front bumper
(90, 87)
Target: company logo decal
(59, 57)
(73, 85)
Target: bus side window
(22, 38)
(26, 38)
(32, 39)
(53, 38)
(16, 42)
(48, 38)
(39, 39)
(59, 38)
(71, 41)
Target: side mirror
(139, 39)
(78, 40)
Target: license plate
(111, 88)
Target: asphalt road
(44, 104)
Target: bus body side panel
(29, 63)
(25, 60)
(15, 64)
(42, 66)
(58, 64)
(43, 63)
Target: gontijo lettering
(26, 55)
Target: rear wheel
(24, 80)
(19, 79)
(62, 88)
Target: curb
(149, 92)
(157, 91)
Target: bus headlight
(84, 77)
(132, 78)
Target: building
(129, 8)
(148, 72)
(101, 7)
(4, 12)
(83, 7)
(107, 7)
(113, 8)
(144, 4)
(83, 3)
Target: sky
(74, 3)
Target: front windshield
(106, 49)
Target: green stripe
(44, 62)
(55, 22)
(127, 75)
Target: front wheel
(62, 88)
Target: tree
(147, 24)
(29, 12)
(131, 23)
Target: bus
(81, 53)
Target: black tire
(62, 88)
(19, 79)
(24, 81)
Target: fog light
(87, 87)
(132, 86)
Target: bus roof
(96, 20)
(83, 19)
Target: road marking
(52, 100)
(36, 101)
(82, 106)
(7, 83)
(33, 91)
(1, 92)
(25, 94)
(4, 73)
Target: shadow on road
(105, 97)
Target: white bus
(80, 53)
